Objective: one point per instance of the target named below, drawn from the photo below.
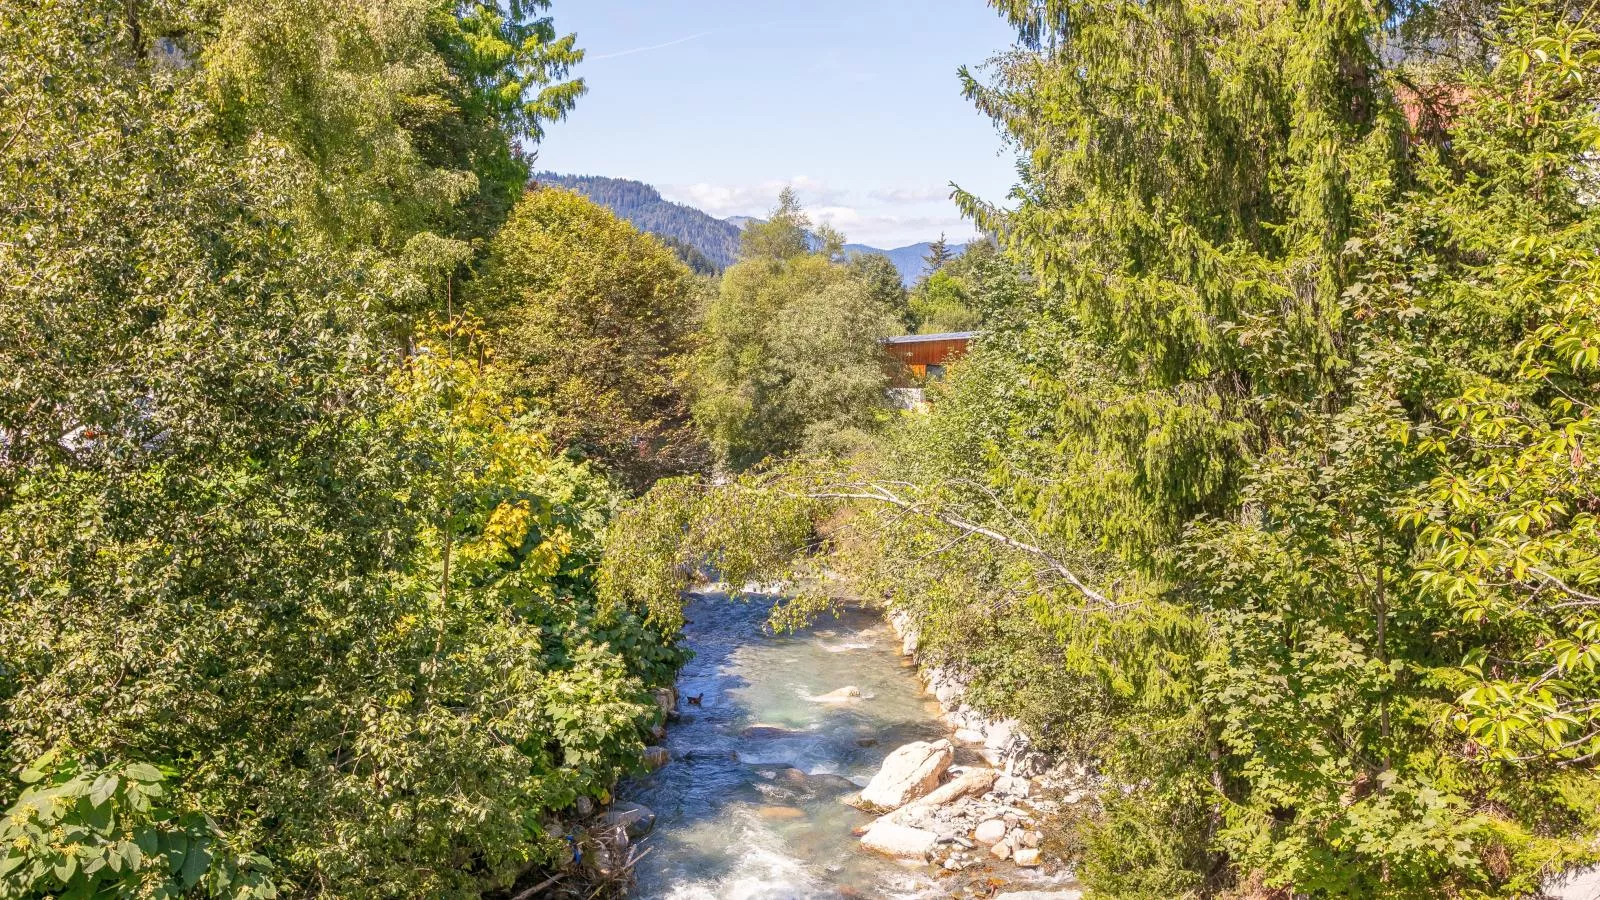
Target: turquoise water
(750, 806)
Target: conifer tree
(938, 255)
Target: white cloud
(911, 196)
(894, 217)
(889, 231)
(724, 200)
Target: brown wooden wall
(930, 353)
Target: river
(750, 806)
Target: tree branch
(879, 494)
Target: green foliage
(682, 531)
(962, 293)
(942, 303)
(939, 255)
(783, 236)
(884, 283)
(791, 357)
(1418, 527)
(595, 319)
(79, 831)
(402, 117)
(342, 596)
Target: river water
(750, 806)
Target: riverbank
(773, 738)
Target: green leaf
(195, 864)
(105, 786)
(177, 850)
(144, 772)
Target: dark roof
(925, 338)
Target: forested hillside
(693, 233)
(641, 204)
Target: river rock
(830, 783)
(634, 819)
(1027, 856)
(656, 757)
(899, 841)
(969, 736)
(917, 812)
(998, 735)
(910, 772)
(1010, 784)
(973, 781)
(768, 731)
(1001, 850)
(908, 631)
(667, 699)
(780, 812)
(843, 695)
(990, 831)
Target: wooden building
(926, 355)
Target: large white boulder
(968, 783)
(1581, 884)
(899, 841)
(910, 772)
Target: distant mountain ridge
(643, 205)
(717, 240)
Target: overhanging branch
(875, 493)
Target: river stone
(656, 757)
(999, 734)
(1027, 856)
(910, 772)
(1016, 787)
(768, 731)
(780, 812)
(899, 841)
(826, 781)
(991, 831)
(843, 695)
(1001, 850)
(775, 794)
(667, 699)
(974, 781)
(969, 736)
(634, 819)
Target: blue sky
(719, 103)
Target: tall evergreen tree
(938, 255)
